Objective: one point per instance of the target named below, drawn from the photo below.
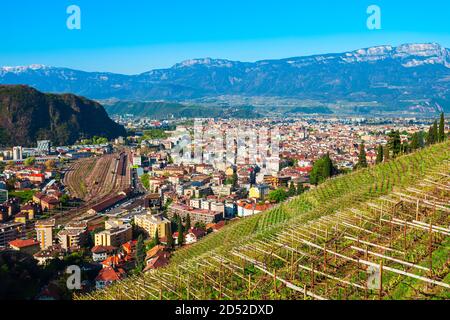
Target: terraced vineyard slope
(378, 233)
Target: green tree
(442, 128)
(180, 232)
(433, 134)
(65, 199)
(435, 131)
(380, 155)
(362, 158)
(414, 145)
(386, 153)
(405, 148)
(292, 192)
(278, 195)
(156, 240)
(140, 253)
(30, 161)
(322, 170)
(395, 143)
(300, 188)
(170, 240)
(188, 222)
(234, 179)
(145, 179)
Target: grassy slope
(336, 193)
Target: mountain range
(410, 77)
(27, 115)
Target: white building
(17, 153)
(137, 161)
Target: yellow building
(114, 236)
(29, 210)
(150, 223)
(229, 172)
(44, 233)
(259, 191)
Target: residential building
(114, 236)
(197, 215)
(108, 276)
(101, 253)
(259, 191)
(10, 232)
(17, 153)
(29, 246)
(43, 146)
(249, 208)
(74, 235)
(193, 235)
(52, 252)
(44, 232)
(150, 223)
(137, 161)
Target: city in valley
(118, 208)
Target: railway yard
(94, 180)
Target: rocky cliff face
(27, 115)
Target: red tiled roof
(129, 245)
(198, 233)
(112, 261)
(109, 274)
(219, 225)
(101, 249)
(23, 243)
(158, 262)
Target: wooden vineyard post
(188, 289)
(292, 266)
(430, 248)
(404, 236)
(366, 285)
(204, 285)
(381, 214)
(179, 284)
(381, 280)
(417, 211)
(392, 233)
(220, 280)
(325, 257)
(335, 250)
(275, 282)
(312, 278)
(249, 285)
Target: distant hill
(27, 115)
(164, 110)
(411, 77)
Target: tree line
(418, 140)
(324, 167)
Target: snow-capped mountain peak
(410, 55)
(19, 69)
(209, 62)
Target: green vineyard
(377, 233)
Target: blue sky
(134, 36)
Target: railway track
(100, 177)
